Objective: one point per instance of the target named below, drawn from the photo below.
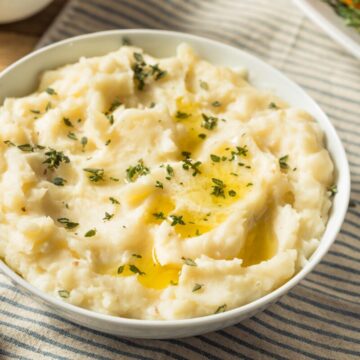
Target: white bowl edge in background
(325, 17)
(163, 43)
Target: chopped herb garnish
(216, 103)
(157, 72)
(84, 141)
(159, 215)
(107, 142)
(240, 151)
(67, 122)
(215, 158)
(190, 164)
(26, 147)
(55, 158)
(333, 190)
(197, 287)
(137, 256)
(172, 282)
(126, 41)
(35, 112)
(249, 184)
(90, 233)
(114, 179)
(209, 122)
(95, 174)
(68, 224)
(114, 201)
(177, 220)
(64, 294)
(120, 269)
(110, 117)
(50, 91)
(114, 105)
(218, 188)
(9, 143)
(159, 184)
(186, 154)
(139, 58)
(58, 181)
(133, 172)
(202, 136)
(169, 171)
(182, 115)
(220, 309)
(272, 105)
(72, 136)
(189, 262)
(283, 162)
(135, 270)
(204, 85)
(233, 174)
(232, 193)
(108, 216)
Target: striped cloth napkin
(319, 319)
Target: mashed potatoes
(158, 188)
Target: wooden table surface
(19, 38)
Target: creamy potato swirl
(158, 188)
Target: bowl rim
(229, 314)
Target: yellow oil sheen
(261, 242)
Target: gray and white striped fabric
(319, 319)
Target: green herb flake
(9, 143)
(37, 112)
(202, 136)
(197, 287)
(84, 141)
(55, 158)
(137, 256)
(169, 171)
(218, 188)
(156, 72)
(126, 41)
(159, 215)
(159, 184)
(188, 261)
(220, 309)
(249, 184)
(120, 269)
(26, 147)
(216, 103)
(240, 151)
(114, 105)
(273, 106)
(72, 136)
(50, 91)
(64, 294)
(333, 190)
(232, 193)
(107, 142)
(136, 270)
(111, 119)
(48, 106)
(176, 220)
(215, 158)
(193, 165)
(209, 122)
(182, 115)
(90, 233)
(283, 162)
(108, 216)
(58, 181)
(114, 201)
(204, 85)
(67, 122)
(68, 224)
(95, 174)
(133, 172)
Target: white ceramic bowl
(14, 10)
(21, 78)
